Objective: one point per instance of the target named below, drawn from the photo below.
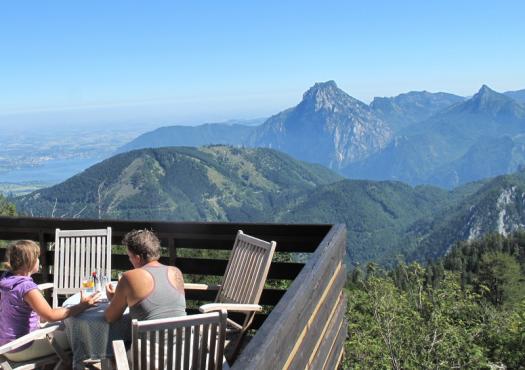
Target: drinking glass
(104, 280)
(88, 285)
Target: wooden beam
(288, 318)
(307, 342)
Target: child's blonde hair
(22, 255)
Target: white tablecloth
(90, 335)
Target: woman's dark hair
(143, 243)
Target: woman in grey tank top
(151, 290)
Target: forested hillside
(378, 214)
(464, 311)
(215, 183)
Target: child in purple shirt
(22, 305)
(17, 317)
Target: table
(90, 335)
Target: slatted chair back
(77, 254)
(187, 342)
(247, 269)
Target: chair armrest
(45, 286)
(235, 307)
(37, 334)
(197, 286)
(121, 358)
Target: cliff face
(328, 127)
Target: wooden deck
(303, 326)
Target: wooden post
(172, 251)
(43, 262)
(43, 257)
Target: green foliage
(500, 276)
(464, 311)
(6, 208)
(414, 327)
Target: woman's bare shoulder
(136, 275)
(175, 276)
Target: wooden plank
(120, 227)
(98, 256)
(187, 347)
(121, 356)
(202, 266)
(78, 275)
(108, 252)
(43, 256)
(178, 347)
(326, 342)
(314, 329)
(215, 267)
(256, 324)
(63, 268)
(172, 252)
(299, 244)
(82, 233)
(290, 237)
(82, 247)
(269, 297)
(143, 351)
(335, 356)
(285, 322)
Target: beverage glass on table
(88, 285)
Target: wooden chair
(186, 342)
(59, 358)
(78, 253)
(242, 284)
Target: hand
(89, 300)
(110, 291)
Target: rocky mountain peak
(320, 87)
(485, 91)
(328, 126)
(327, 96)
(488, 101)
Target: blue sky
(190, 62)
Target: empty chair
(242, 284)
(77, 254)
(59, 359)
(184, 342)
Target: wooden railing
(304, 324)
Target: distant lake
(52, 172)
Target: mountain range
(459, 144)
(405, 109)
(385, 219)
(518, 95)
(231, 132)
(419, 137)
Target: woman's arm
(36, 300)
(118, 301)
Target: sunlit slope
(180, 183)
